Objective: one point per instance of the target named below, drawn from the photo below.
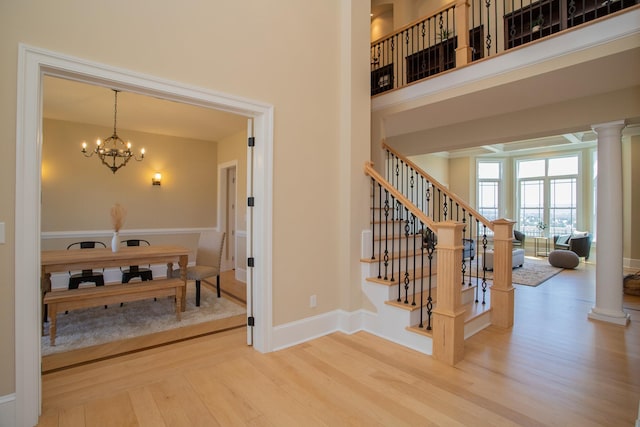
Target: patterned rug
(97, 325)
(534, 271)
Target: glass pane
(531, 207)
(489, 170)
(563, 204)
(563, 166)
(531, 168)
(488, 199)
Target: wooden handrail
(369, 170)
(440, 187)
(435, 13)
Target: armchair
(580, 244)
(518, 239)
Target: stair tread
(473, 310)
(425, 296)
(400, 276)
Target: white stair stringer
(390, 322)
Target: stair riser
(394, 268)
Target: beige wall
(287, 53)
(631, 198)
(78, 192)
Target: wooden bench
(110, 294)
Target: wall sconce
(157, 178)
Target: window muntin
(489, 191)
(547, 195)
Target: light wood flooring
(553, 368)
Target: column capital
(616, 125)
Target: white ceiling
(80, 102)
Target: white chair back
(210, 247)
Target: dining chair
(143, 273)
(86, 275)
(208, 261)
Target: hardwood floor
(554, 367)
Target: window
(547, 195)
(489, 189)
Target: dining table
(62, 260)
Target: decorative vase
(115, 244)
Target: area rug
(97, 325)
(534, 271)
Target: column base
(620, 318)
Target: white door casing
(33, 64)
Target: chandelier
(113, 151)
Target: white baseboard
(8, 410)
(300, 331)
(241, 275)
(631, 263)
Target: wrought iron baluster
(379, 229)
(413, 226)
(397, 220)
(464, 261)
(431, 247)
(422, 229)
(484, 273)
(386, 233)
(373, 219)
(407, 229)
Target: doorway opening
(34, 64)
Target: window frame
(547, 182)
(499, 181)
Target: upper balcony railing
(462, 32)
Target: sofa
(576, 242)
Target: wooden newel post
(502, 290)
(463, 51)
(448, 316)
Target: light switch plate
(1, 233)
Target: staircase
(419, 273)
(402, 317)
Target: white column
(609, 273)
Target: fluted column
(609, 273)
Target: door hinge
(251, 202)
(252, 141)
(251, 321)
(250, 262)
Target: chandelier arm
(110, 148)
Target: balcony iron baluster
(400, 221)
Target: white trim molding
(8, 410)
(126, 232)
